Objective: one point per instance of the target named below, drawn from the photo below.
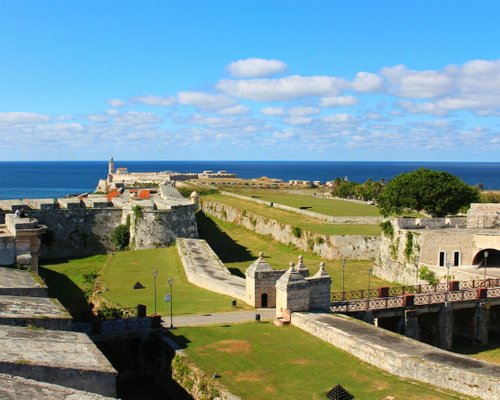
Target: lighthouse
(111, 169)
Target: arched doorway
(493, 259)
(263, 300)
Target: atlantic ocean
(50, 179)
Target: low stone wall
(329, 247)
(7, 250)
(434, 366)
(348, 220)
(204, 269)
(190, 377)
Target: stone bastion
(79, 227)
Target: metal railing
(419, 299)
(414, 289)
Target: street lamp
(417, 259)
(171, 283)
(370, 270)
(155, 274)
(343, 263)
(486, 254)
(448, 265)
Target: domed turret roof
(321, 272)
(259, 265)
(291, 277)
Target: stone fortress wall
(83, 227)
(328, 247)
(354, 220)
(411, 243)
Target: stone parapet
(17, 388)
(56, 357)
(204, 269)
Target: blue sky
(250, 80)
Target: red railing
(419, 299)
(415, 289)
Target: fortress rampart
(82, 227)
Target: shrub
(297, 232)
(90, 278)
(120, 237)
(409, 245)
(427, 275)
(387, 228)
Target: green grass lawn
(65, 280)
(334, 207)
(120, 271)
(238, 247)
(261, 361)
(301, 221)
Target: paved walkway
(266, 314)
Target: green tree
(435, 192)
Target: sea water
(37, 179)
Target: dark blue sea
(58, 178)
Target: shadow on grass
(226, 248)
(66, 291)
(181, 340)
(468, 349)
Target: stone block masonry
(17, 388)
(403, 356)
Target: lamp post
(448, 265)
(486, 254)
(417, 259)
(370, 270)
(171, 283)
(343, 263)
(155, 274)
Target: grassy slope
(298, 220)
(65, 280)
(238, 247)
(120, 271)
(335, 207)
(261, 361)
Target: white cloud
(204, 101)
(417, 84)
(116, 103)
(297, 120)
(22, 117)
(273, 111)
(151, 100)
(366, 82)
(235, 110)
(137, 118)
(287, 88)
(375, 116)
(338, 118)
(255, 68)
(338, 101)
(303, 111)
